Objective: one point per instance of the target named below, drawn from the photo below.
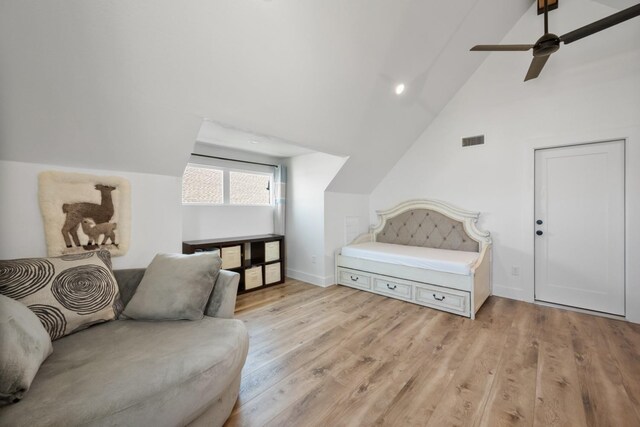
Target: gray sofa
(142, 373)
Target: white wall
(308, 177)
(156, 216)
(589, 91)
(213, 222)
(338, 208)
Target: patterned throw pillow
(67, 293)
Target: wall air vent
(473, 140)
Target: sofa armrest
(222, 302)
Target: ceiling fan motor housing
(546, 45)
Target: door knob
(539, 222)
(539, 232)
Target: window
(202, 185)
(221, 185)
(249, 188)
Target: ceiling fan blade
(536, 66)
(601, 24)
(501, 47)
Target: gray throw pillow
(24, 345)
(175, 287)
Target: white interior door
(579, 214)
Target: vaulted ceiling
(125, 85)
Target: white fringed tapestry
(83, 213)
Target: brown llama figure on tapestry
(76, 212)
(94, 231)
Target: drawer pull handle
(355, 279)
(391, 287)
(438, 299)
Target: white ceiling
(125, 85)
(618, 4)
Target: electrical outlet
(313, 259)
(515, 270)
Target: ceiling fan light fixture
(551, 5)
(400, 87)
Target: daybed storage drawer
(271, 273)
(392, 287)
(231, 257)
(443, 298)
(271, 251)
(355, 279)
(253, 277)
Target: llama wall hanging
(85, 212)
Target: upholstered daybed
(425, 252)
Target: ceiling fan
(549, 43)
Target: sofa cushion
(24, 345)
(175, 287)
(68, 293)
(128, 281)
(130, 372)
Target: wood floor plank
(308, 410)
(558, 392)
(465, 397)
(367, 338)
(312, 407)
(398, 362)
(624, 343)
(322, 303)
(264, 297)
(342, 357)
(604, 397)
(333, 403)
(511, 401)
(271, 328)
(257, 381)
(279, 345)
(284, 343)
(262, 409)
(277, 298)
(414, 404)
(306, 391)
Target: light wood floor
(338, 356)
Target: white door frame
(624, 225)
(526, 290)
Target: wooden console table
(260, 260)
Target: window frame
(226, 184)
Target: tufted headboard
(431, 224)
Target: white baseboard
(510, 292)
(310, 278)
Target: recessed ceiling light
(400, 89)
(254, 142)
